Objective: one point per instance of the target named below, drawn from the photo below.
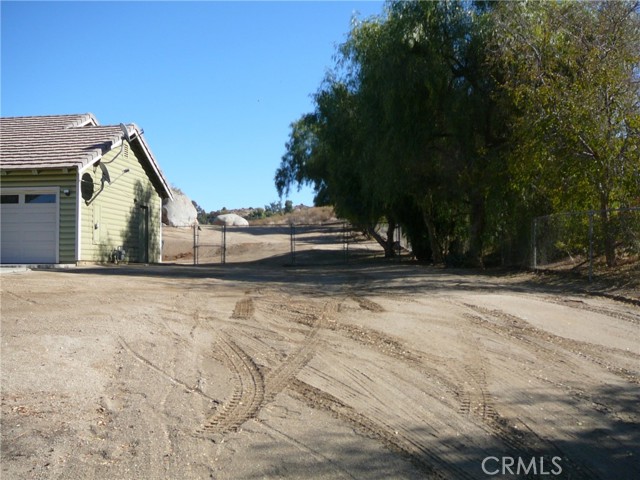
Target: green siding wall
(115, 217)
(67, 205)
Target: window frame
(16, 195)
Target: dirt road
(369, 371)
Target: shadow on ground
(327, 271)
(609, 451)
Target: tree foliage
(461, 121)
(572, 72)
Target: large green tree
(460, 121)
(405, 129)
(572, 71)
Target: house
(75, 191)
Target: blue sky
(214, 85)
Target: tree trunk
(436, 251)
(386, 243)
(477, 230)
(389, 250)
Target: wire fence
(587, 242)
(295, 244)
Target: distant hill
(300, 215)
(273, 214)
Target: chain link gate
(294, 244)
(574, 241)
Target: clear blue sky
(214, 85)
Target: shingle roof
(63, 141)
(54, 141)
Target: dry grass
(303, 216)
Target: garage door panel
(10, 237)
(47, 229)
(22, 254)
(29, 232)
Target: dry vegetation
(300, 216)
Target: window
(40, 198)
(9, 199)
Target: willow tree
(326, 150)
(407, 128)
(435, 129)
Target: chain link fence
(295, 244)
(586, 242)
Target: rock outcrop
(230, 219)
(179, 212)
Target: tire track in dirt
(431, 465)
(561, 358)
(278, 379)
(515, 327)
(404, 442)
(248, 395)
(393, 347)
(303, 313)
(253, 390)
(244, 309)
(479, 406)
(581, 305)
(22, 298)
(478, 402)
(367, 304)
(285, 308)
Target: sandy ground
(313, 244)
(369, 370)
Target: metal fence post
(533, 244)
(293, 243)
(195, 243)
(345, 242)
(223, 250)
(590, 245)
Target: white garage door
(29, 226)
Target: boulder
(179, 212)
(230, 220)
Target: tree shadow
(609, 450)
(371, 274)
(140, 236)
